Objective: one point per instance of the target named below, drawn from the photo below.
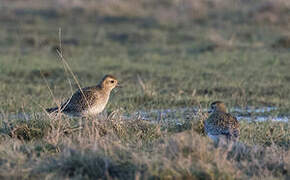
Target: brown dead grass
(113, 147)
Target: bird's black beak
(119, 85)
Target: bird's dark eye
(112, 81)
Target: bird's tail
(51, 110)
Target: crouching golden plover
(88, 101)
(221, 124)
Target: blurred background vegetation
(187, 52)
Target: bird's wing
(81, 99)
(222, 123)
(234, 125)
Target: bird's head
(217, 106)
(109, 82)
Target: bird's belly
(94, 110)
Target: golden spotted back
(222, 123)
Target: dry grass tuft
(113, 147)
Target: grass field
(186, 53)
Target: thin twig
(59, 52)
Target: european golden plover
(220, 123)
(88, 101)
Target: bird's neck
(105, 89)
(221, 111)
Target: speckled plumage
(221, 124)
(88, 101)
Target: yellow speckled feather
(88, 101)
(221, 123)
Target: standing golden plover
(88, 101)
(220, 123)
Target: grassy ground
(187, 54)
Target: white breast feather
(97, 108)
